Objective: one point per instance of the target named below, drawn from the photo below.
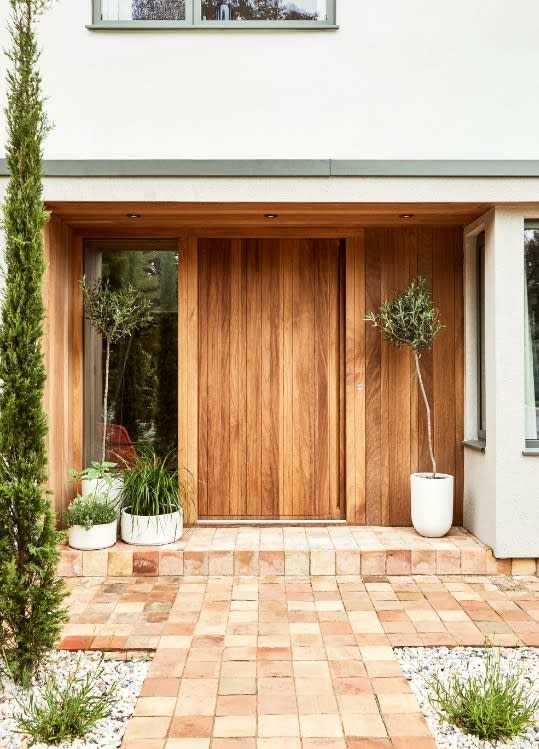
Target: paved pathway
(290, 662)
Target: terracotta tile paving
(289, 662)
(295, 550)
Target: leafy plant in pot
(409, 319)
(152, 498)
(98, 479)
(92, 522)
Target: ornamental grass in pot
(92, 522)
(409, 319)
(153, 497)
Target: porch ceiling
(207, 218)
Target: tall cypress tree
(30, 594)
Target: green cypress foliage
(31, 596)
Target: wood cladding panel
(269, 399)
(396, 442)
(62, 346)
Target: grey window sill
(209, 25)
(477, 445)
(532, 452)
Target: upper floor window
(232, 13)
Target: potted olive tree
(409, 319)
(115, 314)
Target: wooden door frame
(354, 341)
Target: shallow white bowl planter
(97, 537)
(153, 530)
(100, 487)
(432, 503)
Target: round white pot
(432, 503)
(96, 537)
(154, 530)
(100, 487)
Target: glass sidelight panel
(143, 388)
(531, 332)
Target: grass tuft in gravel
(492, 706)
(65, 713)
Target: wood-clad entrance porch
(290, 407)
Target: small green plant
(410, 319)
(88, 511)
(115, 314)
(94, 472)
(493, 705)
(65, 712)
(153, 486)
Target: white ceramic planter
(100, 487)
(96, 537)
(154, 530)
(432, 503)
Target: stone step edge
(129, 561)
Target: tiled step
(341, 550)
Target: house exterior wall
(501, 484)
(396, 80)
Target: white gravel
(107, 733)
(420, 663)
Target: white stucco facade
(502, 483)
(416, 79)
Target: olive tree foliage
(115, 314)
(410, 319)
(31, 612)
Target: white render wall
(501, 496)
(414, 79)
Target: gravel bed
(106, 734)
(420, 663)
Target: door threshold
(271, 522)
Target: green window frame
(193, 20)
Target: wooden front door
(270, 410)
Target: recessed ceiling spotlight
(133, 215)
(271, 215)
(407, 215)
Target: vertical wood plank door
(270, 379)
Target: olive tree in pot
(410, 319)
(153, 498)
(115, 314)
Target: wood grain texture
(188, 372)
(265, 403)
(269, 363)
(62, 347)
(355, 375)
(395, 418)
(210, 219)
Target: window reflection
(531, 340)
(143, 396)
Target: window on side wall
(531, 332)
(223, 13)
(481, 378)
